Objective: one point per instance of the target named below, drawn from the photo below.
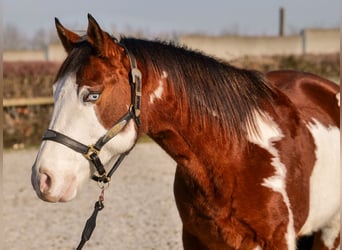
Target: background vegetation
(24, 125)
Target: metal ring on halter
(103, 185)
(92, 150)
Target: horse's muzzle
(48, 189)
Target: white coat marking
(338, 98)
(330, 232)
(269, 133)
(158, 92)
(325, 178)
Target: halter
(92, 152)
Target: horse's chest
(195, 213)
(210, 222)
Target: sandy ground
(139, 213)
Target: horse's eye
(91, 97)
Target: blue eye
(91, 97)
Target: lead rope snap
(91, 222)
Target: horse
(257, 154)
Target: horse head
(91, 93)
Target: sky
(245, 17)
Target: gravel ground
(140, 211)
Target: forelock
(78, 56)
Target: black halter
(92, 152)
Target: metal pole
(303, 33)
(281, 21)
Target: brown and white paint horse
(258, 155)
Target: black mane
(212, 86)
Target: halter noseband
(92, 152)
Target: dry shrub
(323, 65)
(24, 125)
(28, 79)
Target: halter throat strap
(92, 152)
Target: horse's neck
(198, 150)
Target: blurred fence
(309, 41)
(27, 101)
(25, 121)
(227, 47)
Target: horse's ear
(67, 37)
(100, 40)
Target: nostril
(44, 182)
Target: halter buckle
(136, 74)
(91, 151)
